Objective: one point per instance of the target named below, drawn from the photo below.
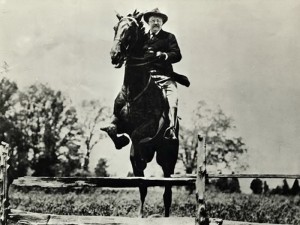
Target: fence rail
(119, 182)
(64, 182)
(127, 182)
(243, 175)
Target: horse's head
(126, 35)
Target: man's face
(155, 24)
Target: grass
(125, 202)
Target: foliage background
(241, 55)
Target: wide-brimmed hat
(155, 12)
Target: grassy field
(124, 202)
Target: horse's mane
(138, 16)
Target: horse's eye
(115, 28)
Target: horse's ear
(118, 15)
(139, 16)
(135, 13)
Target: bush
(125, 202)
(256, 186)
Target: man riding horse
(160, 50)
(148, 95)
(163, 45)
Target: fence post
(4, 206)
(201, 217)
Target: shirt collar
(154, 33)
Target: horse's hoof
(140, 215)
(111, 129)
(121, 141)
(155, 216)
(202, 221)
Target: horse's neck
(137, 50)
(136, 75)
(136, 78)
(136, 72)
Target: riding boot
(112, 131)
(170, 132)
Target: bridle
(145, 63)
(125, 50)
(126, 57)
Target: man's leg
(171, 93)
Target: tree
(234, 185)
(222, 184)
(101, 168)
(266, 188)
(256, 186)
(9, 132)
(93, 112)
(224, 152)
(285, 187)
(276, 191)
(50, 126)
(225, 184)
(8, 91)
(295, 188)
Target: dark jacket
(164, 42)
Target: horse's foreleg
(113, 129)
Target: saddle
(158, 75)
(179, 78)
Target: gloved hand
(161, 55)
(150, 54)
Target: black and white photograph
(150, 112)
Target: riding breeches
(169, 87)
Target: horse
(141, 108)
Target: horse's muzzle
(117, 59)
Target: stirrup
(170, 133)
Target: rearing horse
(141, 108)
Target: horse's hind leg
(168, 169)
(166, 157)
(167, 197)
(143, 193)
(138, 167)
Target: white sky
(241, 55)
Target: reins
(141, 62)
(142, 92)
(138, 65)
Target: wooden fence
(197, 179)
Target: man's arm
(173, 53)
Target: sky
(243, 56)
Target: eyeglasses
(155, 20)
